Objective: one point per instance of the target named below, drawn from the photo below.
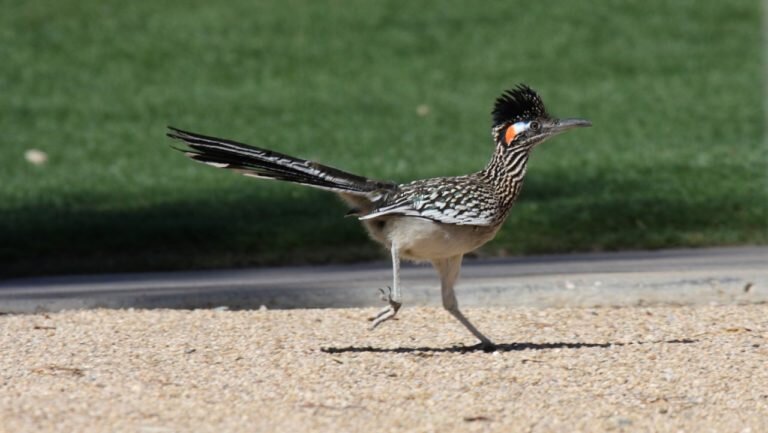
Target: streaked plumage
(436, 219)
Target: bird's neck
(505, 171)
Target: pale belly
(422, 239)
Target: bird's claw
(389, 311)
(485, 346)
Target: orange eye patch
(510, 134)
(514, 130)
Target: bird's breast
(422, 239)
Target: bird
(436, 220)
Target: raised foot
(389, 311)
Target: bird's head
(521, 121)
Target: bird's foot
(485, 346)
(389, 311)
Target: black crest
(518, 104)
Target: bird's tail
(255, 162)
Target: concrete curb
(701, 276)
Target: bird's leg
(392, 297)
(448, 269)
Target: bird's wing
(459, 200)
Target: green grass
(676, 157)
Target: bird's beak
(563, 125)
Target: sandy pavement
(692, 369)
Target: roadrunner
(436, 220)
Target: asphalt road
(668, 277)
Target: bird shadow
(505, 347)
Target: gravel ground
(691, 369)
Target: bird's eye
(535, 125)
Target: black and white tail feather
(262, 163)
